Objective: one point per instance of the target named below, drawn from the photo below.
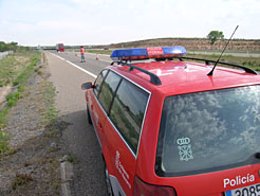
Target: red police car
(168, 127)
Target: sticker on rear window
(184, 147)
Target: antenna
(211, 72)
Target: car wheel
(88, 116)
(108, 183)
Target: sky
(90, 22)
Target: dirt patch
(4, 91)
(33, 166)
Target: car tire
(88, 116)
(108, 183)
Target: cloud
(110, 21)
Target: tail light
(143, 189)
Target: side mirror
(87, 85)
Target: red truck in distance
(60, 47)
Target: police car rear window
(209, 131)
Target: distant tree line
(12, 46)
(8, 46)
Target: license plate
(252, 190)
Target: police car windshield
(209, 131)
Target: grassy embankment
(15, 70)
(251, 62)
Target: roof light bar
(148, 53)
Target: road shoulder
(32, 166)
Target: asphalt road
(79, 138)
(92, 65)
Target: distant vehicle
(169, 128)
(60, 47)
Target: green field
(251, 62)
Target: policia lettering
(238, 180)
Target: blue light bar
(128, 53)
(148, 53)
(177, 50)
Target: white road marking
(57, 56)
(74, 65)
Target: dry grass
(20, 180)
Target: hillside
(197, 44)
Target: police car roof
(179, 77)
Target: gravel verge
(33, 166)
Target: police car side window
(127, 112)
(99, 81)
(108, 89)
